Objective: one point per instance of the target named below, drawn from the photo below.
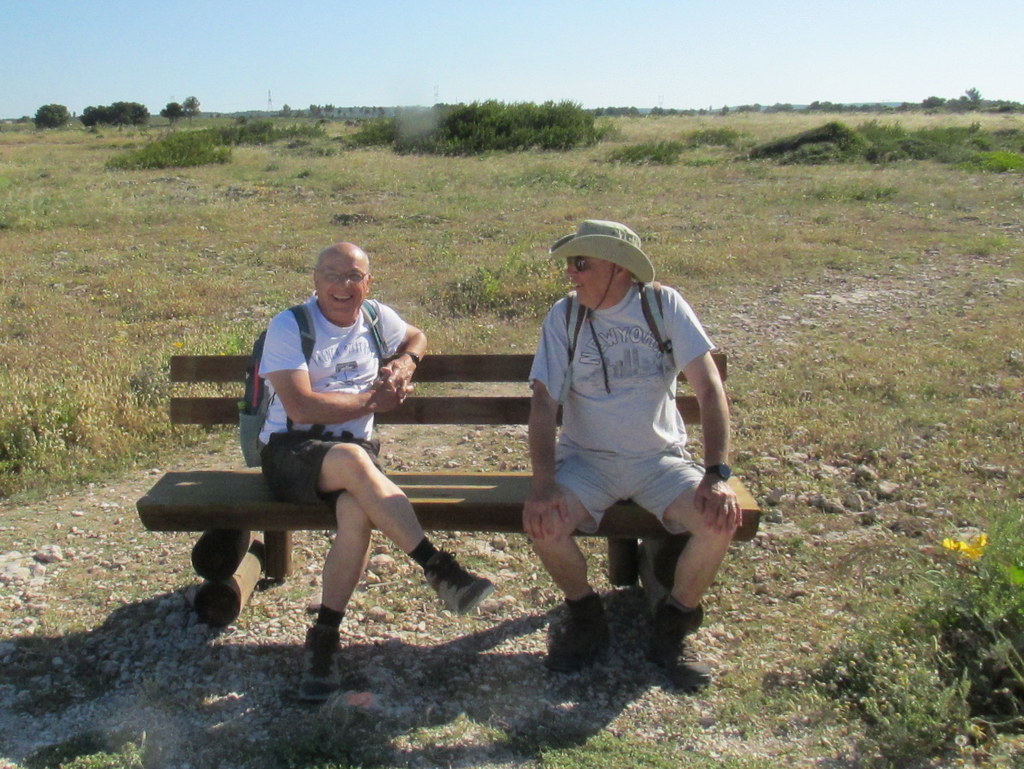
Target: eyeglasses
(348, 277)
(578, 263)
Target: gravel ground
(101, 639)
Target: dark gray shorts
(291, 464)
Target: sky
(689, 54)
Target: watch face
(722, 471)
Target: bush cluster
(209, 145)
(177, 150)
(472, 129)
(830, 143)
(955, 664)
(875, 142)
(118, 113)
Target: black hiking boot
(670, 649)
(580, 639)
(461, 591)
(320, 679)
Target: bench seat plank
(239, 499)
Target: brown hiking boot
(461, 591)
(580, 638)
(320, 679)
(670, 649)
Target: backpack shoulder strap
(305, 321)
(372, 318)
(654, 314)
(575, 315)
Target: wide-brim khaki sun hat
(611, 241)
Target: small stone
(886, 489)
(865, 473)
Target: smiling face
(342, 280)
(598, 283)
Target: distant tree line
(120, 113)
(970, 101)
(132, 113)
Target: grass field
(872, 314)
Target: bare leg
(562, 557)
(346, 560)
(703, 555)
(347, 466)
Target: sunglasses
(578, 263)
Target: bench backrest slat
(434, 368)
(418, 409)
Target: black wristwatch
(723, 471)
(414, 356)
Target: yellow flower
(972, 549)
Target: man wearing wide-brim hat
(612, 363)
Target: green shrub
(982, 623)
(210, 145)
(997, 162)
(899, 684)
(52, 116)
(659, 153)
(886, 143)
(176, 150)
(471, 129)
(832, 142)
(375, 133)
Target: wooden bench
(228, 504)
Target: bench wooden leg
(219, 602)
(278, 546)
(622, 561)
(218, 552)
(658, 557)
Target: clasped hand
(393, 384)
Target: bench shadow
(151, 670)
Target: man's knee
(344, 465)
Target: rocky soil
(99, 640)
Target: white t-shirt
(344, 360)
(639, 416)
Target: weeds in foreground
(951, 670)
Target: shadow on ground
(151, 677)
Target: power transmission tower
(270, 103)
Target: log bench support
(227, 505)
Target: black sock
(585, 606)
(329, 617)
(423, 552)
(681, 608)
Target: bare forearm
(542, 435)
(330, 407)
